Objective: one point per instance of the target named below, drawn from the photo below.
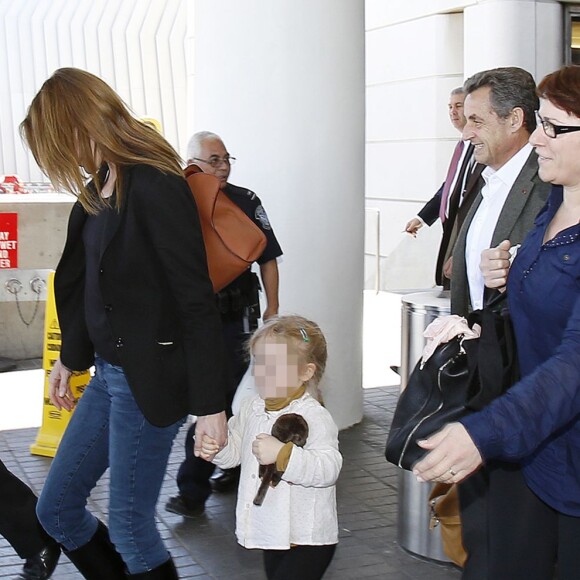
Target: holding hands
(213, 429)
(209, 447)
(453, 456)
(266, 448)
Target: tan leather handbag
(232, 240)
(444, 503)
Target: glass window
(572, 52)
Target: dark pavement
(205, 547)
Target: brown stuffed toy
(289, 428)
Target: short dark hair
(510, 87)
(562, 88)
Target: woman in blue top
(537, 423)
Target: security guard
(239, 307)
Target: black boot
(41, 565)
(166, 571)
(98, 559)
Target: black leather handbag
(460, 377)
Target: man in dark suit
(238, 304)
(499, 107)
(455, 195)
(20, 526)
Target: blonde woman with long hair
(134, 299)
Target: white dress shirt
(495, 192)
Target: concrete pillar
(524, 33)
(283, 84)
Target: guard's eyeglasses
(216, 161)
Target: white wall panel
(412, 65)
(409, 143)
(91, 19)
(77, 34)
(123, 65)
(406, 170)
(411, 110)
(137, 46)
(524, 33)
(62, 15)
(380, 13)
(422, 48)
(135, 54)
(550, 34)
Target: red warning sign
(8, 241)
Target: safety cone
(54, 422)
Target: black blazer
(158, 299)
(430, 211)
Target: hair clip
(304, 335)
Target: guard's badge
(262, 217)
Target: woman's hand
(495, 265)
(213, 427)
(266, 448)
(59, 391)
(453, 455)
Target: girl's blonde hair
(76, 119)
(304, 336)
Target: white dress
(301, 509)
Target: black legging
(304, 562)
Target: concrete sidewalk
(206, 548)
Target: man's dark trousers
(18, 521)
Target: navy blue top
(538, 420)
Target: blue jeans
(108, 429)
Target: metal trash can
(418, 310)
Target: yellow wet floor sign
(54, 422)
